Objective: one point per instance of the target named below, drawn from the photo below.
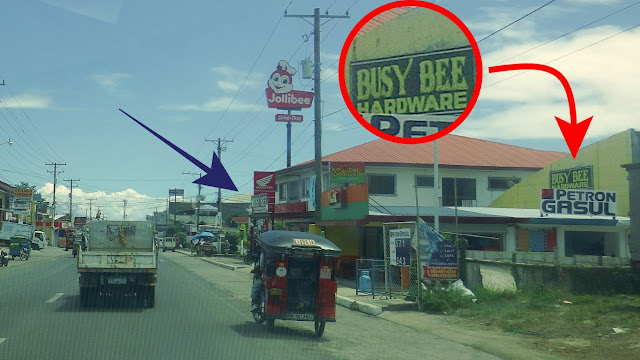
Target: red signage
(292, 207)
(280, 93)
(264, 182)
(294, 99)
(288, 118)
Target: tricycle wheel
(24, 256)
(270, 324)
(258, 316)
(320, 328)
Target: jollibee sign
(280, 93)
(578, 202)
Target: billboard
(575, 178)
(280, 93)
(438, 82)
(344, 172)
(264, 182)
(260, 204)
(578, 202)
(176, 192)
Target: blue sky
(195, 70)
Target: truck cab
(39, 240)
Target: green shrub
(444, 300)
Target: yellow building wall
(605, 156)
(346, 238)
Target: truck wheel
(35, 247)
(85, 296)
(150, 297)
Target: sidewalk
(345, 297)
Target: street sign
(288, 118)
(400, 247)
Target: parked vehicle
(20, 247)
(11, 229)
(169, 243)
(121, 260)
(297, 277)
(39, 240)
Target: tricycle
(294, 279)
(20, 247)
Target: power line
(568, 54)
(513, 22)
(572, 31)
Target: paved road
(201, 313)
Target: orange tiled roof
(453, 150)
(383, 18)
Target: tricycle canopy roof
(285, 241)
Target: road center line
(2, 340)
(55, 297)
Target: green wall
(605, 156)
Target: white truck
(10, 229)
(39, 241)
(121, 259)
(169, 243)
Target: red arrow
(573, 132)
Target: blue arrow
(216, 175)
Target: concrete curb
(211, 261)
(226, 266)
(358, 305)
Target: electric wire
(513, 22)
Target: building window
(382, 184)
(502, 183)
(282, 192)
(460, 191)
(424, 181)
(305, 187)
(293, 190)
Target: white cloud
(231, 79)
(110, 82)
(215, 104)
(28, 101)
(602, 78)
(106, 11)
(109, 204)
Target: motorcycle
(4, 259)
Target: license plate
(301, 316)
(117, 280)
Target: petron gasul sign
(578, 202)
(280, 93)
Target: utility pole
(90, 204)
(221, 148)
(318, 102)
(124, 210)
(55, 183)
(71, 199)
(199, 175)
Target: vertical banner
(438, 256)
